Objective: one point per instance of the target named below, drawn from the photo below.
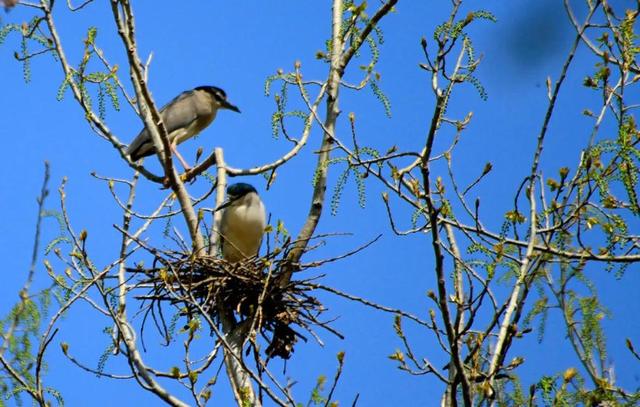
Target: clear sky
(236, 47)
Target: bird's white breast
(243, 225)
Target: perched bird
(184, 117)
(243, 222)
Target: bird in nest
(242, 224)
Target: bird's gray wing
(180, 113)
(141, 146)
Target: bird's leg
(186, 166)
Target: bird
(242, 224)
(184, 117)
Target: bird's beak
(227, 105)
(226, 203)
(223, 205)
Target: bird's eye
(219, 96)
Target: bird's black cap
(212, 90)
(240, 189)
(219, 95)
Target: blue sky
(236, 48)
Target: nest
(249, 292)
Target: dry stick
(138, 368)
(72, 8)
(134, 357)
(97, 372)
(335, 380)
(233, 359)
(593, 47)
(95, 121)
(23, 382)
(339, 62)
(30, 5)
(605, 106)
(44, 192)
(221, 186)
(318, 196)
(381, 12)
(433, 214)
(459, 301)
(452, 336)
(565, 254)
(574, 338)
(395, 311)
(554, 96)
(46, 337)
(131, 101)
(153, 120)
(368, 168)
(151, 117)
(471, 273)
(350, 253)
(126, 223)
(513, 300)
(163, 204)
(37, 394)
